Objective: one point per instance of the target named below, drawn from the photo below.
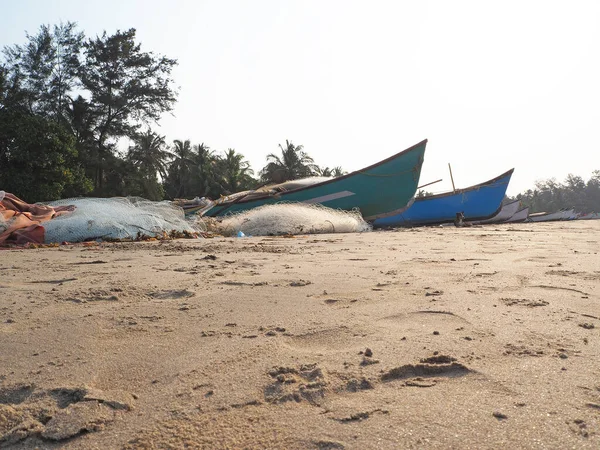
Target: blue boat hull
(478, 202)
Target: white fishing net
(288, 218)
(299, 183)
(116, 219)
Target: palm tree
(327, 172)
(423, 193)
(180, 169)
(323, 172)
(204, 171)
(234, 172)
(294, 163)
(149, 154)
(337, 171)
(149, 157)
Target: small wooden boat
(508, 210)
(478, 202)
(519, 216)
(383, 189)
(549, 217)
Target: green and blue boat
(384, 189)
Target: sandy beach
(482, 337)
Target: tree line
(76, 119)
(551, 195)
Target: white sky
(492, 85)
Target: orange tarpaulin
(20, 222)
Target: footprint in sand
(56, 414)
(305, 383)
(418, 322)
(436, 366)
(519, 350)
(329, 340)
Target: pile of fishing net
(286, 219)
(119, 218)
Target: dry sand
(484, 337)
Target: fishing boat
(543, 216)
(589, 216)
(519, 216)
(478, 202)
(383, 189)
(506, 212)
(548, 217)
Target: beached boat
(383, 189)
(548, 217)
(506, 212)
(478, 202)
(543, 216)
(589, 216)
(519, 216)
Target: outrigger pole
(433, 182)
(451, 178)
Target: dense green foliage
(550, 195)
(76, 117)
(38, 157)
(67, 101)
